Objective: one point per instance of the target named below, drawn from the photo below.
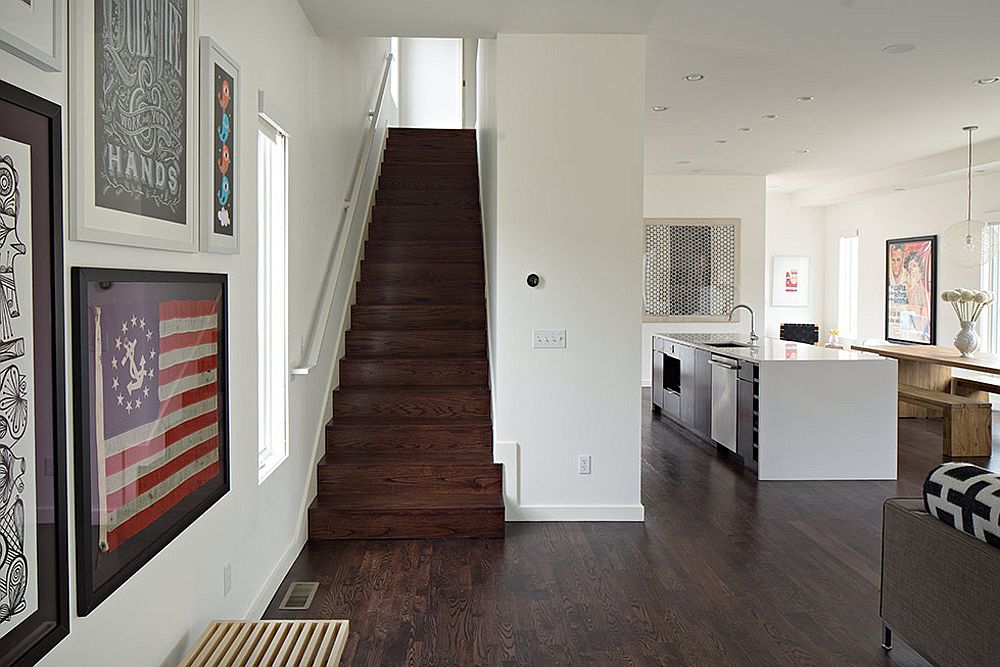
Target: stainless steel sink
(729, 343)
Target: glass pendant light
(967, 243)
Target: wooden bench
(968, 425)
(269, 644)
(978, 388)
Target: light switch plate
(548, 338)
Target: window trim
(850, 241)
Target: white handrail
(324, 307)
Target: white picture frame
(219, 172)
(790, 281)
(159, 217)
(32, 31)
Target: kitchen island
(788, 411)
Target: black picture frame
(105, 562)
(37, 123)
(914, 250)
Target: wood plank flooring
(725, 571)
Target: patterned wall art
(151, 418)
(34, 573)
(32, 31)
(134, 131)
(220, 87)
(691, 269)
(790, 281)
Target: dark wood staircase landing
(409, 451)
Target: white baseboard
(576, 513)
(281, 568)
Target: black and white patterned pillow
(965, 497)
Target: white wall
(801, 231)
(928, 210)
(430, 82)
(326, 89)
(712, 197)
(486, 140)
(470, 76)
(569, 192)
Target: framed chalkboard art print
(152, 448)
(134, 130)
(220, 159)
(34, 567)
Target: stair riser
(466, 274)
(403, 343)
(424, 251)
(413, 372)
(410, 215)
(444, 293)
(394, 486)
(465, 182)
(332, 524)
(427, 169)
(408, 439)
(432, 133)
(427, 231)
(412, 403)
(418, 317)
(459, 158)
(427, 197)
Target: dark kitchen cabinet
(747, 414)
(687, 384)
(657, 394)
(702, 424)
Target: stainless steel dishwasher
(724, 379)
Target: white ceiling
(871, 110)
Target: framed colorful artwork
(220, 88)
(134, 131)
(32, 31)
(152, 452)
(34, 521)
(790, 281)
(911, 290)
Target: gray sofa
(940, 588)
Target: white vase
(967, 340)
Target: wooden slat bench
(979, 388)
(967, 420)
(269, 644)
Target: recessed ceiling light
(684, 162)
(896, 49)
(805, 98)
(769, 116)
(988, 81)
(980, 171)
(772, 186)
(659, 107)
(720, 141)
(802, 151)
(694, 77)
(900, 189)
(744, 129)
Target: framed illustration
(691, 269)
(911, 290)
(34, 521)
(32, 31)
(152, 450)
(220, 88)
(133, 94)
(790, 281)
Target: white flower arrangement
(968, 303)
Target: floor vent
(300, 595)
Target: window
(272, 279)
(847, 310)
(990, 319)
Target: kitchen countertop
(767, 349)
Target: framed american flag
(152, 451)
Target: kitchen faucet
(753, 328)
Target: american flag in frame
(150, 362)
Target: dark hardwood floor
(724, 571)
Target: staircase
(409, 449)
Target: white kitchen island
(816, 413)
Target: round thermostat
(533, 280)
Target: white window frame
(848, 255)
(990, 281)
(272, 283)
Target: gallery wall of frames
(153, 161)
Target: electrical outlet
(227, 579)
(548, 338)
(584, 466)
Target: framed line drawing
(220, 147)
(151, 416)
(34, 518)
(32, 31)
(134, 102)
